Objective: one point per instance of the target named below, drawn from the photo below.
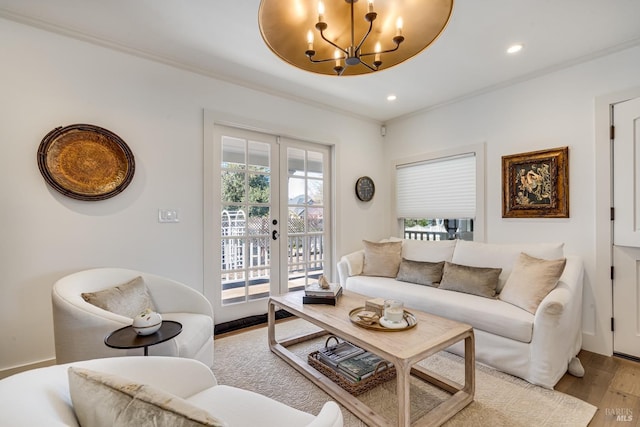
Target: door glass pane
(259, 157)
(259, 188)
(246, 198)
(233, 187)
(315, 191)
(315, 164)
(233, 153)
(306, 216)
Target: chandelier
(351, 37)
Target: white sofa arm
(350, 265)
(557, 324)
(329, 416)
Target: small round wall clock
(365, 188)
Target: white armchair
(80, 327)
(42, 397)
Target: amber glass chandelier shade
(286, 25)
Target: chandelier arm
(364, 38)
(316, 61)
(368, 66)
(332, 43)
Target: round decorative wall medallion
(365, 188)
(85, 162)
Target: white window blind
(440, 188)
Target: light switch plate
(168, 215)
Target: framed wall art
(536, 184)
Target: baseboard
(247, 322)
(4, 373)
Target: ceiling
(222, 39)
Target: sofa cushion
(382, 259)
(101, 399)
(503, 256)
(421, 273)
(481, 281)
(428, 250)
(531, 280)
(128, 299)
(487, 314)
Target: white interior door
(626, 228)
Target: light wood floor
(610, 383)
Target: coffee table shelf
(403, 348)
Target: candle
(337, 55)
(399, 26)
(377, 50)
(370, 6)
(320, 11)
(393, 311)
(310, 40)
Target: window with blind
(436, 196)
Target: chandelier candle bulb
(370, 6)
(399, 24)
(320, 11)
(310, 40)
(377, 50)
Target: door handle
(275, 235)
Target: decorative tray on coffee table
(367, 319)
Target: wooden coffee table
(404, 348)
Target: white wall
(48, 80)
(550, 111)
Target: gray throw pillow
(420, 272)
(128, 299)
(479, 281)
(382, 259)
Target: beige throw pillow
(421, 273)
(101, 399)
(382, 259)
(479, 281)
(531, 280)
(128, 299)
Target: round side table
(127, 337)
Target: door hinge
(613, 213)
(612, 132)
(613, 325)
(612, 272)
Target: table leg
(403, 374)
(146, 350)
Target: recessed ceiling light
(391, 98)
(514, 48)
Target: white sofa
(41, 397)
(536, 347)
(80, 327)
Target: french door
(265, 219)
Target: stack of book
(352, 362)
(338, 353)
(357, 368)
(315, 294)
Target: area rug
(244, 360)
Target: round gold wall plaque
(85, 162)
